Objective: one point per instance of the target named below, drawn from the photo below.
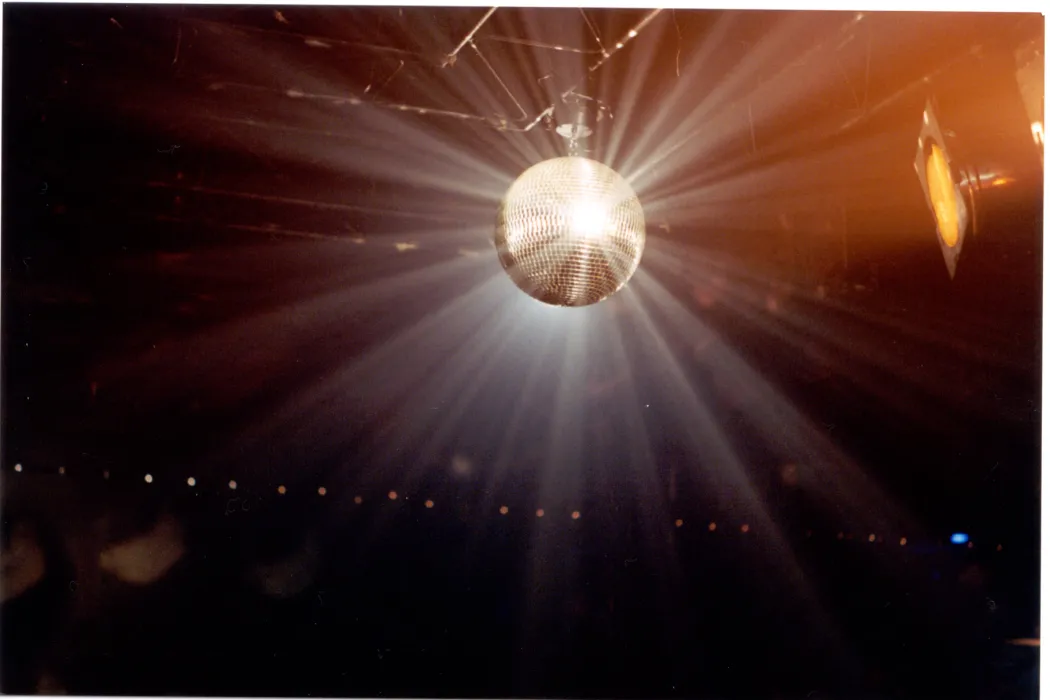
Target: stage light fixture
(570, 231)
(941, 184)
(979, 151)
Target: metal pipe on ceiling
(450, 58)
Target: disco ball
(570, 231)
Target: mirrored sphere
(570, 231)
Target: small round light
(679, 523)
(576, 515)
(62, 470)
(322, 491)
(358, 500)
(871, 538)
(232, 485)
(745, 528)
(503, 510)
(282, 490)
(539, 513)
(429, 503)
(149, 478)
(392, 495)
(191, 481)
(18, 467)
(904, 541)
(712, 527)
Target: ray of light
(205, 359)
(630, 90)
(831, 474)
(720, 116)
(313, 204)
(317, 102)
(747, 297)
(560, 477)
(732, 90)
(386, 156)
(440, 404)
(505, 457)
(379, 377)
(716, 186)
(683, 91)
(725, 474)
(433, 413)
(651, 498)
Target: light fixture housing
(570, 231)
(940, 183)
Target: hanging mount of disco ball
(575, 132)
(570, 231)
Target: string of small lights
(680, 523)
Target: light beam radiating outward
(476, 367)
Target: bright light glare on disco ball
(570, 231)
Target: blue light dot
(960, 538)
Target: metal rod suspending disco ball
(570, 231)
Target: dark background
(792, 356)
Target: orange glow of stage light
(322, 491)
(503, 510)
(539, 513)
(678, 523)
(576, 515)
(358, 500)
(392, 495)
(429, 503)
(941, 185)
(745, 528)
(712, 527)
(282, 490)
(943, 196)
